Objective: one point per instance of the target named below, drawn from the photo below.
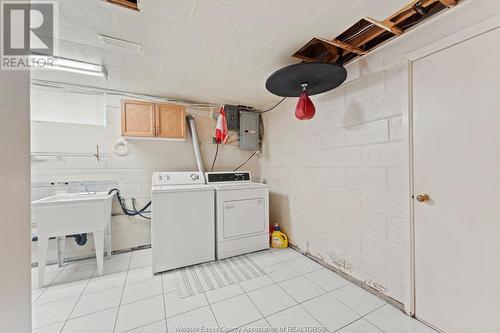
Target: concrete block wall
(132, 172)
(336, 179)
(340, 182)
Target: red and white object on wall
(221, 135)
(305, 108)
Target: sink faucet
(87, 191)
(86, 186)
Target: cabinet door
(138, 118)
(170, 121)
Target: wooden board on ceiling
(131, 4)
(368, 33)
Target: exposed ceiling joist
(368, 36)
(304, 58)
(126, 3)
(368, 33)
(388, 26)
(449, 3)
(344, 46)
(409, 7)
(410, 10)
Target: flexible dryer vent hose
(196, 143)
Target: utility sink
(68, 214)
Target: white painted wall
(132, 172)
(336, 181)
(65, 107)
(15, 275)
(340, 182)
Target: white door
(457, 163)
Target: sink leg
(61, 241)
(108, 238)
(99, 249)
(43, 243)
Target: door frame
(442, 44)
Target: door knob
(423, 197)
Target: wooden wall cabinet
(146, 119)
(170, 121)
(138, 118)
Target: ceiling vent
(121, 44)
(131, 4)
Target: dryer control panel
(177, 178)
(228, 177)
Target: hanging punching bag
(305, 108)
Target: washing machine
(182, 220)
(241, 213)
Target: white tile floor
(296, 292)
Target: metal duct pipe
(196, 143)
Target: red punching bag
(315, 77)
(305, 108)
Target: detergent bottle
(278, 239)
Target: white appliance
(242, 213)
(182, 220)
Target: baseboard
(359, 283)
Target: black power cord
(215, 158)
(133, 211)
(273, 107)
(255, 152)
(140, 214)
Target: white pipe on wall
(196, 143)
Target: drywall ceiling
(218, 51)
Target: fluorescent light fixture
(69, 65)
(80, 67)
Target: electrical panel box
(249, 130)
(232, 117)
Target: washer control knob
(195, 176)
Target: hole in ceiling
(131, 4)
